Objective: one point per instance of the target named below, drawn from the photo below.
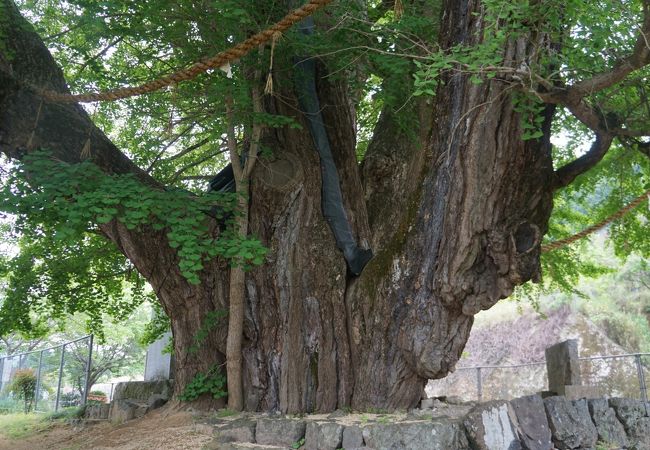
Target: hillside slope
(501, 336)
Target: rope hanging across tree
(219, 60)
(598, 226)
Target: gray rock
(628, 410)
(140, 409)
(142, 390)
(489, 427)
(454, 400)
(241, 446)
(134, 399)
(122, 410)
(420, 414)
(436, 435)
(532, 425)
(427, 403)
(337, 414)
(155, 401)
(570, 423)
(610, 430)
(639, 434)
(104, 411)
(97, 412)
(323, 436)
(279, 431)
(562, 365)
(239, 430)
(352, 438)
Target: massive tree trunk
(454, 212)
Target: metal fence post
(479, 384)
(2, 372)
(38, 381)
(642, 385)
(84, 399)
(58, 389)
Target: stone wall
(131, 399)
(526, 423)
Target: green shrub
(23, 387)
(213, 382)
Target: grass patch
(19, 425)
(225, 413)
(75, 412)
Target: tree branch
(64, 129)
(187, 150)
(639, 58)
(180, 171)
(566, 174)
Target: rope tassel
(398, 9)
(268, 89)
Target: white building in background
(159, 365)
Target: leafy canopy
(178, 134)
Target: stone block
(489, 427)
(156, 401)
(532, 424)
(323, 436)
(427, 403)
(454, 400)
(122, 410)
(337, 414)
(242, 446)
(639, 434)
(563, 365)
(352, 438)
(96, 412)
(239, 430)
(610, 429)
(142, 390)
(570, 423)
(279, 431)
(435, 435)
(628, 410)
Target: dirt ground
(169, 430)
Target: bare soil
(162, 429)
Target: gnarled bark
(454, 213)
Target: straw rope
(199, 67)
(598, 226)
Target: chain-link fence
(618, 375)
(47, 379)
(612, 375)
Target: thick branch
(28, 122)
(566, 174)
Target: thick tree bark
(27, 122)
(454, 213)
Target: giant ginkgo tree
(404, 175)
